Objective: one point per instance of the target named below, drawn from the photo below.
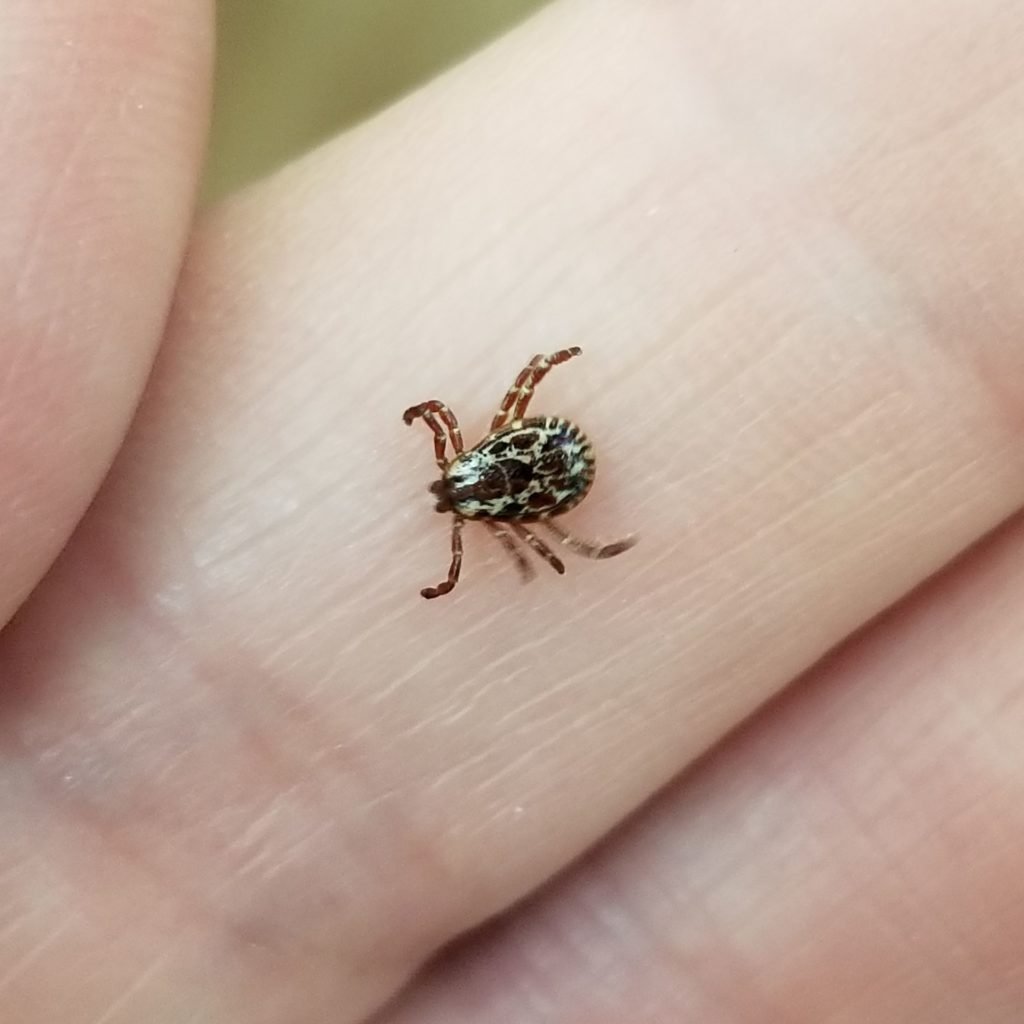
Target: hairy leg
(585, 547)
(455, 568)
(506, 537)
(432, 412)
(517, 398)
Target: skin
(249, 774)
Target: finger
(341, 772)
(103, 119)
(853, 855)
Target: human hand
(250, 775)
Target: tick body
(526, 471)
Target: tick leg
(585, 547)
(430, 412)
(456, 565)
(508, 542)
(539, 546)
(517, 398)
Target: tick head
(439, 488)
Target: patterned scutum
(540, 466)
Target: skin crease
(249, 774)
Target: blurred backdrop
(293, 72)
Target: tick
(526, 471)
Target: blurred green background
(293, 72)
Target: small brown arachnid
(526, 470)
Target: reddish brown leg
(517, 398)
(456, 565)
(539, 546)
(508, 542)
(586, 547)
(430, 411)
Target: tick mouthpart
(440, 491)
